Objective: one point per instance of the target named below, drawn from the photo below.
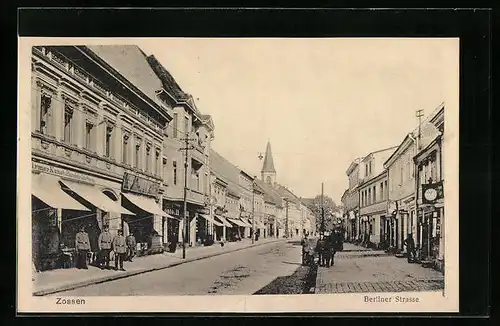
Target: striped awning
(223, 221)
(237, 222)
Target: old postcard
(238, 175)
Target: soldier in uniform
(82, 245)
(320, 246)
(104, 241)
(120, 249)
(131, 246)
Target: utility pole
(419, 114)
(253, 210)
(286, 221)
(185, 227)
(322, 228)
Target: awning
(237, 222)
(207, 217)
(46, 187)
(96, 198)
(224, 221)
(248, 225)
(146, 204)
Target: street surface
(358, 270)
(275, 268)
(242, 272)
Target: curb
(109, 278)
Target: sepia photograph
(226, 174)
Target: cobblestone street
(356, 270)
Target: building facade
(373, 196)
(351, 201)
(402, 184)
(430, 234)
(96, 151)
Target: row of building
(398, 191)
(108, 129)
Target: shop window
(45, 107)
(89, 136)
(108, 141)
(68, 117)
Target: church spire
(268, 165)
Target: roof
(309, 202)
(268, 165)
(168, 81)
(270, 195)
(223, 168)
(130, 62)
(287, 194)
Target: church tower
(268, 172)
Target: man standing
(104, 242)
(410, 248)
(82, 245)
(120, 249)
(131, 246)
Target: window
(137, 154)
(369, 196)
(109, 137)
(186, 125)
(366, 169)
(164, 174)
(382, 191)
(124, 149)
(68, 117)
(89, 130)
(157, 162)
(175, 172)
(175, 126)
(45, 105)
(386, 192)
(148, 158)
(374, 194)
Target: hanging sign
(140, 185)
(431, 192)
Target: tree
(329, 207)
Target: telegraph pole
(419, 114)
(286, 221)
(185, 219)
(253, 210)
(322, 228)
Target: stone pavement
(358, 269)
(58, 280)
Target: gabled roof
(130, 62)
(353, 165)
(223, 168)
(268, 165)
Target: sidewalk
(358, 269)
(58, 280)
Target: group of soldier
(123, 248)
(327, 246)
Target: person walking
(131, 246)
(305, 246)
(82, 246)
(410, 248)
(320, 246)
(104, 241)
(120, 249)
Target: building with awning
(85, 142)
(47, 189)
(224, 221)
(211, 220)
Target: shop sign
(140, 185)
(45, 168)
(431, 192)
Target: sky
(320, 102)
